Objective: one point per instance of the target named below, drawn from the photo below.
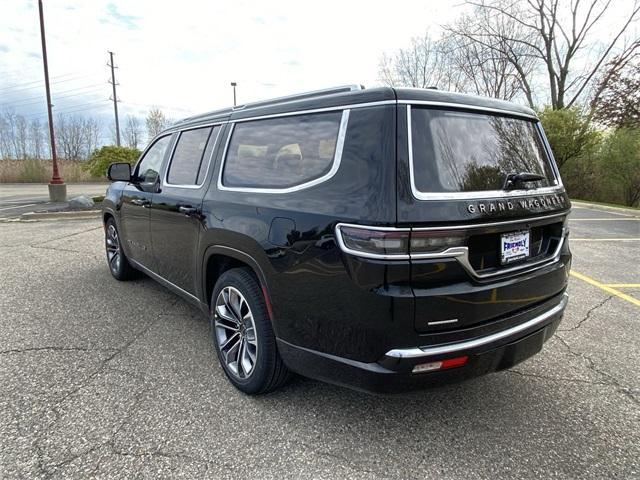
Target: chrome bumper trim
(417, 352)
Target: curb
(80, 214)
(606, 208)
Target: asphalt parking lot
(119, 380)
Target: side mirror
(119, 172)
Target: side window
(188, 157)
(281, 152)
(149, 167)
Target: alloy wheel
(113, 248)
(235, 332)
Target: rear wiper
(512, 180)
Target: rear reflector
(440, 364)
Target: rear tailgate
(475, 287)
(488, 253)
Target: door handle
(187, 210)
(140, 202)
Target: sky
(182, 56)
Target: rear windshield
(466, 152)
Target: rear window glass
(466, 152)
(281, 152)
(187, 157)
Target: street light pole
(234, 84)
(57, 188)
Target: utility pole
(234, 84)
(57, 188)
(115, 98)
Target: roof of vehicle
(352, 95)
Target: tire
(240, 327)
(117, 261)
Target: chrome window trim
(467, 107)
(173, 149)
(460, 254)
(337, 159)
(420, 195)
(547, 146)
(351, 106)
(418, 352)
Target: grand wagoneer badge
(537, 203)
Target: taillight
(377, 242)
(396, 243)
(435, 241)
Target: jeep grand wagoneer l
(384, 239)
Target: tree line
(76, 136)
(573, 63)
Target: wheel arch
(107, 214)
(218, 259)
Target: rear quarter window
(280, 153)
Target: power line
(68, 112)
(34, 100)
(69, 109)
(78, 77)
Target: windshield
(464, 152)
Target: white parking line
(577, 207)
(632, 219)
(18, 206)
(627, 239)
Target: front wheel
(119, 266)
(242, 334)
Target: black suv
(382, 239)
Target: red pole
(55, 178)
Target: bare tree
(454, 62)
(91, 134)
(10, 135)
(556, 33)
(494, 67)
(70, 136)
(36, 138)
(156, 122)
(421, 65)
(22, 137)
(132, 131)
(6, 140)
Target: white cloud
(182, 56)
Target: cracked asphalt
(119, 380)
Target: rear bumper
(393, 372)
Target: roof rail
(275, 101)
(302, 96)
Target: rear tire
(242, 334)
(117, 261)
